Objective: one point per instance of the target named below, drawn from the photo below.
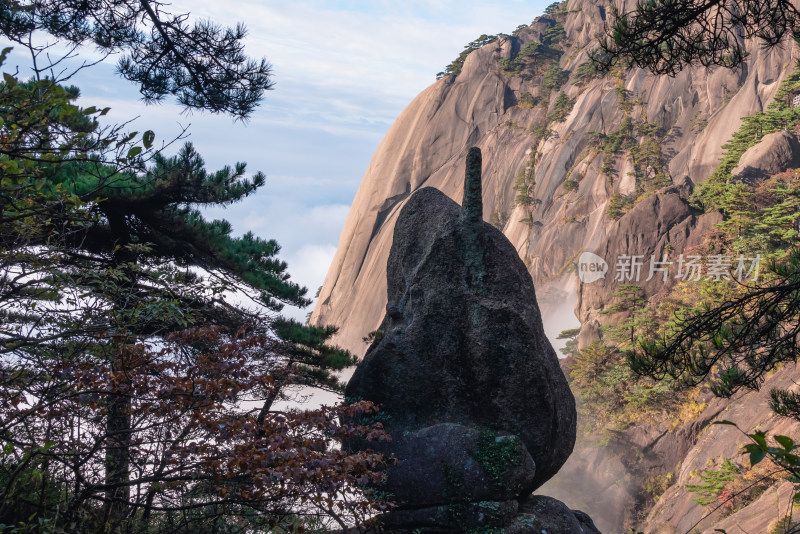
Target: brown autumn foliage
(192, 453)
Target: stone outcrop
(775, 153)
(417, 480)
(479, 410)
(539, 514)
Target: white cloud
(311, 265)
(308, 267)
(392, 47)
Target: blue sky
(343, 71)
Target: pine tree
(141, 347)
(664, 36)
(629, 302)
(203, 65)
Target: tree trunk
(117, 463)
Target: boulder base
(451, 463)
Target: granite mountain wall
(551, 180)
(696, 112)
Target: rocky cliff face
(676, 511)
(611, 482)
(485, 106)
(558, 161)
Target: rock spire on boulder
(479, 410)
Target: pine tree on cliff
(664, 36)
(761, 328)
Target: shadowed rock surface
(539, 514)
(775, 153)
(479, 409)
(448, 462)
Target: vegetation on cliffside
(658, 358)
